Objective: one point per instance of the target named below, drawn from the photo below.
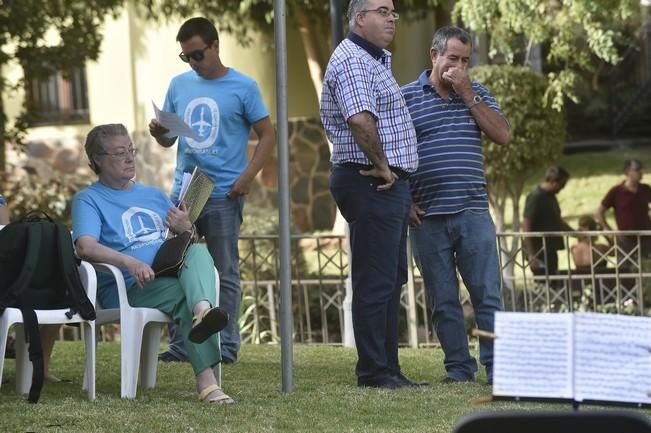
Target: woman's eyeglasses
(121, 154)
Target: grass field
(324, 399)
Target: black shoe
(168, 356)
(207, 323)
(389, 382)
(453, 380)
(408, 383)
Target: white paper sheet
(612, 357)
(185, 182)
(579, 356)
(533, 355)
(175, 125)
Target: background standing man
(221, 105)
(630, 200)
(542, 213)
(451, 225)
(374, 150)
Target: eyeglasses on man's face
(122, 154)
(385, 12)
(197, 55)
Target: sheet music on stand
(582, 358)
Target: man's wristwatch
(475, 100)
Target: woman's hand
(178, 219)
(142, 272)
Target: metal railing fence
(617, 280)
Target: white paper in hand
(175, 125)
(185, 182)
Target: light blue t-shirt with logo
(221, 112)
(131, 221)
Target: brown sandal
(219, 399)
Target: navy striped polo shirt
(450, 176)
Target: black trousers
(378, 241)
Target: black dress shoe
(388, 382)
(408, 383)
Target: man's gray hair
(355, 7)
(98, 137)
(442, 35)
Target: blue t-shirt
(221, 112)
(130, 221)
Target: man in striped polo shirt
(374, 151)
(451, 226)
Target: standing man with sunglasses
(373, 153)
(221, 105)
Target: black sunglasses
(197, 55)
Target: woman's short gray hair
(97, 138)
(355, 7)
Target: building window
(59, 99)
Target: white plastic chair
(140, 334)
(13, 316)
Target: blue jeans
(441, 244)
(378, 242)
(220, 224)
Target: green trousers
(176, 297)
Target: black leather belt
(356, 166)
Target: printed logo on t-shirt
(142, 225)
(202, 114)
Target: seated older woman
(119, 221)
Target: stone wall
(312, 205)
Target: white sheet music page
(612, 358)
(533, 355)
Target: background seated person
(119, 221)
(586, 251)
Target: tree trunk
(317, 65)
(3, 127)
(315, 61)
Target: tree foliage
(45, 37)
(576, 34)
(241, 17)
(537, 134)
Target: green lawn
(324, 398)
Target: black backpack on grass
(38, 271)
